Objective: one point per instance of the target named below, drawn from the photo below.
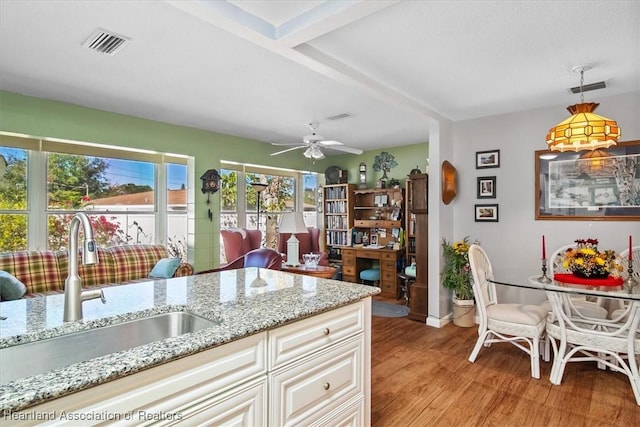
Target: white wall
(515, 241)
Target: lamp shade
(292, 222)
(584, 130)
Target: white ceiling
(264, 69)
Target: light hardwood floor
(421, 376)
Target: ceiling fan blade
(329, 143)
(346, 149)
(289, 149)
(285, 144)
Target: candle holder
(631, 281)
(544, 278)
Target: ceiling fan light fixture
(314, 152)
(584, 130)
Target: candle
(544, 249)
(630, 250)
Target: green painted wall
(407, 157)
(45, 118)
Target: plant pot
(464, 313)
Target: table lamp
(293, 222)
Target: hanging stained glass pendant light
(584, 130)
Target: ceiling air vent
(340, 116)
(106, 42)
(590, 86)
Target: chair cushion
(10, 287)
(371, 274)
(517, 313)
(586, 308)
(165, 268)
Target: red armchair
(239, 241)
(309, 243)
(262, 258)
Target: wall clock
(210, 181)
(362, 170)
(210, 184)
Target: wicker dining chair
(519, 324)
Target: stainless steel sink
(42, 356)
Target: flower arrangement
(586, 260)
(456, 274)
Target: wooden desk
(354, 260)
(321, 271)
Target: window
(140, 199)
(282, 194)
(13, 199)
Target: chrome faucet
(73, 293)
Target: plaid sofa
(44, 272)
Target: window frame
(37, 209)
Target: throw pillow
(165, 268)
(10, 287)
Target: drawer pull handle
(327, 331)
(326, 386)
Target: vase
(594, 275)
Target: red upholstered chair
(309, 243)
(239, 241)
(262, 258)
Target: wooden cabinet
(354, 260)
(338, 217)
(417, 244)
(409, 227)
(379, 208)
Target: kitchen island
(273, 333)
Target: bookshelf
(338, 202)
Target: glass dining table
(613, 343)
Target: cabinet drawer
(348, 261)
(352, 415)
(308, 391)
(388, 287)
(246, 405)
(349, 270)
(308, 336)
(371, 254)
(389, 256)
(349, 278)
(387, 264)
(388, 276)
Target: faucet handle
(93, 294)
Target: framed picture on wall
(487, 159)
(486, 213)
(486, 187)
(583, 186)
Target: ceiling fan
(313, 142)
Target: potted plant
(456, 276)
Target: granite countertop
(230, 298)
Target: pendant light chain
(581, 83)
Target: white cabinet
(173, 391)
(319, 366)
(313, 371)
